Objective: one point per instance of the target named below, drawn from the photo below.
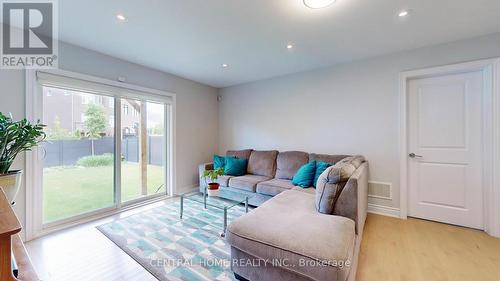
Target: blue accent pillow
(235, 166)
(219, 162)
(320, 168)
(305, 175)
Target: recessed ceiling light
(121, 17)
(224, 65)
(317, 4)
(289, 46)
(403, 13)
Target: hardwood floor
(392, 249)
(83, 253)
(413, 250)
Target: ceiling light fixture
(121, 17)
(289, 46)
(318, 4)
(403, 13)
(225, 65)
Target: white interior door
(445, 149)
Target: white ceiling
(192, 38)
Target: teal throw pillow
(219, 162)
(320, 168)
(235, 166)
(305, 175)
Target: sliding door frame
(34, 201)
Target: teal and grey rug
(175, 249)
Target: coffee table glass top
(225, 200)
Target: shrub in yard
(106, 159)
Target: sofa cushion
(247, 182)
(274, 186)
(219, 161)
(310, 190)
(289, 162)
(332, 159)
(320, 168)
(289, 228)
(332, 181)
(245, 153)
(262, 163)
(235, 166)
(223, 180)
(305, 175)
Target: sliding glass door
(105, 149)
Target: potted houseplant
(212, 175)
(15, 137)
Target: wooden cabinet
(11, 243)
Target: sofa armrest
(353, 200)
(202, 168)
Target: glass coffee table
(226, 202)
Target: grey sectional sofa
(268, 173)
(286, 237)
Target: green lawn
(72, 190)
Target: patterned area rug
(175, 249)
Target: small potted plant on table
(212, 175)
(15, 137)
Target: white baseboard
(383, 210)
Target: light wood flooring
(414, 250)
(392, 249)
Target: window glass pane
(143, 149)
(78, 167)
(131, 170)
(156, 147)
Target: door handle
(413, 155)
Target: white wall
(344, 109)
(197, 129)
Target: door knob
(413, 155)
